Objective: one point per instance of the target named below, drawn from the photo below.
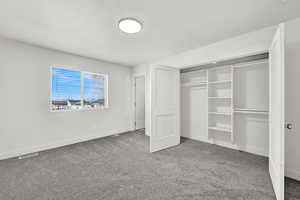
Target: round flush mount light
(130, 25)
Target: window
(75, 90)
(93, 90)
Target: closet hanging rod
(223, 63)
(250, 110)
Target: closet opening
(226, 104)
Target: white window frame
(73, 68)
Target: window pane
(94, 89)
(66, 94)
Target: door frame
(134, 98)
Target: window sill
(81, 109)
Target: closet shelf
(222, 129)
(219, 82)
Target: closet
(227, 105)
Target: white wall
(144, 70)
(251, 90)
(244, 45)
(27, 125)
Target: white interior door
(165, 105)
(277, 118)
(139, 102)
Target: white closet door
(165, 121)
(277, 118)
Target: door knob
(289, 126)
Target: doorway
(139, 102)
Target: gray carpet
(292, 189)
(120, 168)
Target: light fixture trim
(130, 25)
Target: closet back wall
(26, 123)
(251, 91)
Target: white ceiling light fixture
(130, 25)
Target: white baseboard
(226, 145)
(255, 150)
(38, 148)
(222, 144)
(291, 173)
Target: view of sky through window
(65, 84)
(69, 94)
(93, 87)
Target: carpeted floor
(292, 189)
(120, 168)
